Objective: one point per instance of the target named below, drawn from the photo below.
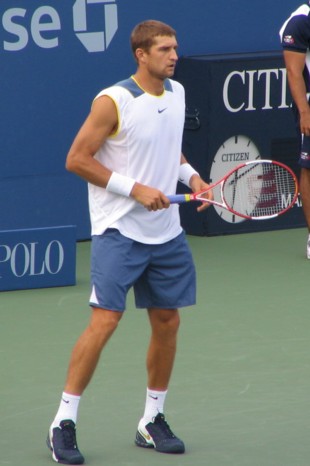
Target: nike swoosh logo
(66, 401)
(162, 110)
(154, 397)
(146, 436)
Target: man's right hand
(152, 199)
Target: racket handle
(178, 198)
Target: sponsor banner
(37, 258)
(238, 109)
(42, 25)
(55, 57)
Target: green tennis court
(239, 395)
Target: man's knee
(104, 321)
(165, 320)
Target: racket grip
(178, 198)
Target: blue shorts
(162, 275)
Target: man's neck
(148, 84)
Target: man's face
(161, 58)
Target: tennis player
(129, 152)
(295, 39)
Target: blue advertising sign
(37, 258)
(238, 110)
(53, 62)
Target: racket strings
(259, 190)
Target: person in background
(295, 40)
(129, 152)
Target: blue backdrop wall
(56, 55)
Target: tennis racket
(255, 190)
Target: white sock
(154, 404)
(68, 409)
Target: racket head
(259, 190)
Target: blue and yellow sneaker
(158, 435)
(62, 442)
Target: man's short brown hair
(144, 34)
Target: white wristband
(186, 171)
(120, 184)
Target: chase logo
(96, 41)
(43, 26)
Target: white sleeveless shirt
(147, 147)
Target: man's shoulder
(295, 32)
(130, 85)
(301, 14)
(174, 86)
(122, 90)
